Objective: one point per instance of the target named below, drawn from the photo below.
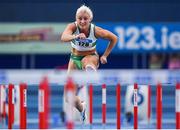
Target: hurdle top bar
(108, 77)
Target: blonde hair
(86, 9)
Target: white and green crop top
(85, 44)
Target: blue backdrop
(143, 37)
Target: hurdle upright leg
(159, 106)
(70, 93)
(177, 106)
(0, 103)
(23, 105)
(43, 106)
(135, 106)
(149, 104)
(118, 105)
(104, 104)
(10, 106)
(90, 104)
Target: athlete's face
(83, 20)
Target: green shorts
(77, 60)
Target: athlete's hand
(81, 36)
(103, 59)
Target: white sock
(84, 105)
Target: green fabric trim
(95, 32)
(77, 61)
(74, 57)
(93, 44)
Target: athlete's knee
(90, 68)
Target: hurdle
(149, 104)
(104, 104)
(3, 105)
(177, 106)
(11, 106)
(118, 105)
(135, 106)
(90, 104)
(0, 103)
(70, 92)
(23, 106)
(43, 103)
(159, 105)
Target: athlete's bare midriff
(82, 53)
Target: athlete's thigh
(71, 66)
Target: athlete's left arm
(105, 34)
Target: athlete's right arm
(67, 35)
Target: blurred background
(148, 38)
(148, 31)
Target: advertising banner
(132, 37)
(32, 38)
(143, 37)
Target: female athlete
(83, 35)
